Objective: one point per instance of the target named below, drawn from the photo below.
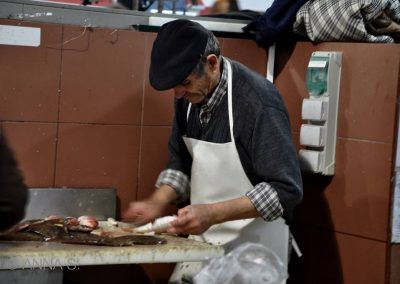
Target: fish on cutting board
(73, 230)
(114, 228)
(158, 226)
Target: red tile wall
(79, 112)
(343, 224)
(102, 76)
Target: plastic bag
(248, 263)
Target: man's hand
(196, 219)
(157, 205)
(143, 212)
(193, 220)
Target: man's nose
(179, 92)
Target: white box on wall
(312, 135)
(319, 112)
(20, 36)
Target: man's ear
(213, 61)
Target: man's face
(195, 88)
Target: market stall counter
(41, 255)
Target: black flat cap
(176, 51)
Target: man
(230, 149)
(13, 191)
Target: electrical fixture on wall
(320, 112)
(20, 36)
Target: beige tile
(333, 258)
(35, 148)
(356, 200)
(368, 91)
(153, 158)
(358, 197)
(348, 259)
(290, 71)
(246, 52)
(102, 76)
(158, 105)
(30, 76)
(93, 156)
(368, 96)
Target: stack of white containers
(320, 112)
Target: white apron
(218, 175)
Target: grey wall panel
(73, 202)
(10, 10)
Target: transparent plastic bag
(248, 263)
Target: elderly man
(231, 152)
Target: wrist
(164, 194)
(216, 213)
(234, 209)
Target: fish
(60, 230)
(90, 239)
(48, 229)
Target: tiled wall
(343, 224)
(79, 112)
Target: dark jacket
(261, 130)
(276, 23)
(13, 191)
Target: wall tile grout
(59, 93)
(139, 168)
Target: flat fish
(90, 239)
(49, 230)
(55, 230)
(22, 236)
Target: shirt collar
(214, 100)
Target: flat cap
(176, 51)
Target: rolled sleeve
(178, 181)
(266, 201)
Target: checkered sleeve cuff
(266, 200)
(178, 181)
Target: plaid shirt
(344, 20)
(263, 196)
(214, 100)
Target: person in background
(231, 151)
(220, 7)
(169, 5)
(13, 191)
(224, 6)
